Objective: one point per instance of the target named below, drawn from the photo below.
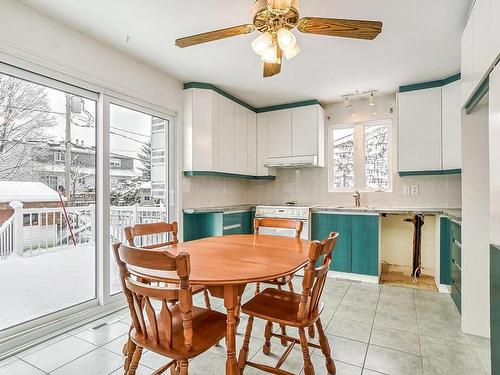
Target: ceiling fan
(274, 19)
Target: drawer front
(456, 232)
(456, 276)
(456, 253)
(457, 297)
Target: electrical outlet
(414, 189)
(406, 190)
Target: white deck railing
(7, 238)
(42, 229)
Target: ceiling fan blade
(214, 35)
(271, 69)
(357, 29)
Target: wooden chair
(296, 310)
(180, 331)
(159, 233)
(269, 222)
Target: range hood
(292, 162)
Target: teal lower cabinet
(356, 250)
(208, 224)
(238, 222)
(495, 308)
(445, 251)
(451, 258)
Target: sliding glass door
(138, 173)
(47, 197)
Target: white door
(280, 133)
(420, 130)
(262, 142)
(240, 139)
(226, 135)
(452, 120)
(305, 131)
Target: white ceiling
(420, 41)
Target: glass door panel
(138, 175)
(47, 200)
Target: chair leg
(242, 358)
(325, 348)
(128, 351)
(266, 349)
(257, 289)
(290, 286)
(135, 361)
(283, 332)
(311, 331)
(207, 299)
(308, 366)
(183, 367)
(174, 370)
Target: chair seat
(279, 306)
(209, 326)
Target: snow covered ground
(34, 286)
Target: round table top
(238, 259)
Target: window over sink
(359, 157)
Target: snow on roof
(145, 185)
(26, 192)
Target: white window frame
(359, 156)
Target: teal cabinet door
(495, 308)
(238, 223)
(322, 225)
(365, 244)
(201, 225)
(445, 251)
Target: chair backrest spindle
(272, 222)
(315, 277)
(152, 231)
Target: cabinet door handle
(456, 264)
(458, 244)
(233, 226)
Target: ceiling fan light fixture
(292, 51)
(270, 55)
(262, 43)
(286, 39)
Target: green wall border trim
(430, 173)
(477, 95)
(430, 84)
(303, 103)
(209, 86)
(223, 174)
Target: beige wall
(310, 185)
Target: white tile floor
(372, 330)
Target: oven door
(286, 232)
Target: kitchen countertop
(220, 209)
(454, 214)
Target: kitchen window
(360, 157)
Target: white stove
(298, 212)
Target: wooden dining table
(226, 264)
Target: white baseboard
(353, 277)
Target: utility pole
(67, 169)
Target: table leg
(231, 293)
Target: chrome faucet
(357, 198)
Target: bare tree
(144, 156)
(24, 115)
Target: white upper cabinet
(419, 114)
(251, 143)
(451, 126)
(480, 45)
(226, 135)
(201, 130)
(304, 132)
(262, 143)
(280, 133)
(240, 139)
